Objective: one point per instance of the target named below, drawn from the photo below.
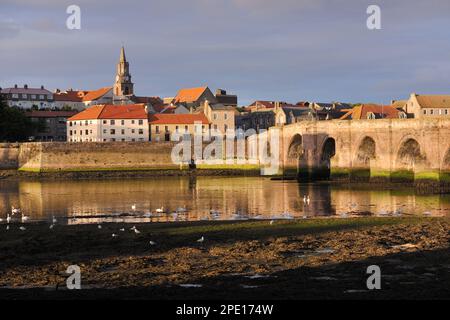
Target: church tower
(123, 85)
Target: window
(132, 121)
(141, 122)
(41, 97)
(225, 128)
(70, 123)
(33, 96)
(87, 132)
(113, 139)
(86, 123)
(104, 131)
(225, 116)
(215, 116)
(186, 129)
(157, 129)
(123, 131)
(70, 132)
(166, 128)
(424, 111)
(104, 121)
(446, 111)
(113, 122)
(176, 129)
(112, 131)
(141, 131)
(431, 111)
(90, 131)
(123, 140)
(122, 122)
(24, 96)
(133, 131)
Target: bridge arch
(295, 155)
(409, 157)
(365, 154)
(328, 151)
(445, 165)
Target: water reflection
(205, 198)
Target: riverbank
(306, 259)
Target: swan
(160, 210)
(201, 240)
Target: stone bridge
(408, 149)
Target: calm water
(232, 198)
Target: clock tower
(123, 85)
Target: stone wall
(9, 153)
(54, 157)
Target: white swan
(25, 218)
(160, 210)
(15, 210)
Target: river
(229, 198)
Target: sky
(287, 50)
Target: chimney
(25, 86)
(15, 86)
(42, 87)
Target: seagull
(23, 228)
(15, 210)
(54, 221)
(152, 243)
(8, 219)
(201, 240)
(7, 227)
(114, 235)
(1, 219)
(133, 207)
(51, 226)
(272, 222)
(136, 231)
(122, 230)
(99, 226)
(181, 209)
(160, 210)
(24, 218)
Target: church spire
(122, 55)
(123, 85)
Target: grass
(242, 167)
(261, 229)
(427, 175)
(99, 169)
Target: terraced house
(27, 98)
(109, 123)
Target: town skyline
(262, 62)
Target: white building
(82, 99)
(28, 98)
(109, 123)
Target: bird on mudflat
(201, 240)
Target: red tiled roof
(50, 114)
(70, 95)
(360, 112)
(97, 94)
(163, 118)
(131, 111)
(189, 94)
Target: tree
(14, 124)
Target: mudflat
(301, 259)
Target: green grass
(261, 229)
(402, 175)
(374, 173)
(427, 175)
(242, 167)
(103, 169)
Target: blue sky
(290, 50)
